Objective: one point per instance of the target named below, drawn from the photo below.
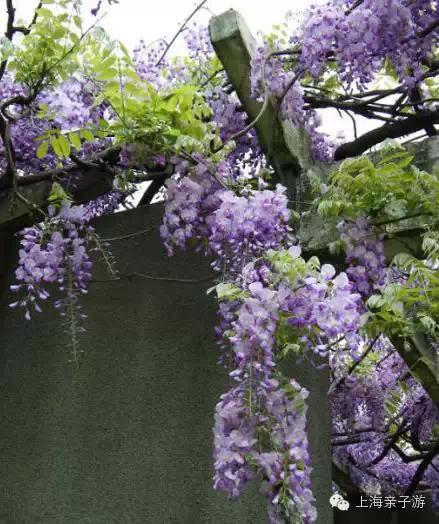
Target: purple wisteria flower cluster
(325, 308)
(104, 205)
(278, 415)
(244, 227)
(68, 107)
(25, 128)
(230, 121)
(279, 84)
(317, 308)
(364, 255)
(71, 104)
(360, 41)
(54, 258)
(190, 204)
(53, 252)
(234, 229)
(363, 39)
(366, 408)
(146, 58)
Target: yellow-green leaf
(65, 145)
(54, 142)
(75, 140)
(86, 134)
(42, 150)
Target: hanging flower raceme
(282, 85)
(265, 436)
(234, 229)
(234, 439)
(282, 303)
(57, 252)
(244, 227)
(192, 198)
(361, 39)
(50, 250)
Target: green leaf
(44, 13)
(58, 194)
(54, 142)
(86, 134)
(42, 150)
(108, 74)
(428, 324)
(75, 140)
(402, 260)
(64, 145)
(226, 290)
(375, 302)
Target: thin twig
(30, 205)
(131, 235)
(182, 28)
(211, 77)
(195, 160)
(354, 365)
(354, 124)
(353, 7)
(252, 124)
(152, 277)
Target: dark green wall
(127, 438)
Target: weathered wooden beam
(83, 186)
(287, 148)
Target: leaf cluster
(389, 190)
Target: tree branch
(9, 31)
(408, 126)
(5, 133)
(417, 477)
(429, 29)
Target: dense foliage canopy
(76, 108)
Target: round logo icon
(337, 501)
